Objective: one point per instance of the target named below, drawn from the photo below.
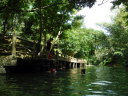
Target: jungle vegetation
(38, 20)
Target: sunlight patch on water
(101, 82)
(96, 91)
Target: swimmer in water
(83, 71)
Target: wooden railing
(14, 45)
(63, 57)
(5, 45)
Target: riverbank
(115, 65)
(111, 65)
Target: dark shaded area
(30, 65)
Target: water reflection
(98, 81)
(101, 83)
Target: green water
(98, 81)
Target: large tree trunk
(13, 38)
(39, 1)
(44, 44)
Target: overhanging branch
(43, 7)
(103, 2)
(36, 8)
(60, 32)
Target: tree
(119, 2)
(37, 19)
(118, 37)
(82, 42)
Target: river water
(98, 81)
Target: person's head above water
(83, 71)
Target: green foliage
(119, 2)
(35, 19)
(118, 53)
(109, 61)
(52, 13)
(124, 10)
(117, 37)
(82, 42)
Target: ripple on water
(101, 82)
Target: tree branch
(103, 2)
(1, 11)
(42, 7)
(60, 32)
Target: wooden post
(56, 55)
(64, 64)
(34, 47)
(70, 64)
(74, 64)
(14, 44)
(81, 64)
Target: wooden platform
(71, 59)
(13, 48)
(40, 64)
